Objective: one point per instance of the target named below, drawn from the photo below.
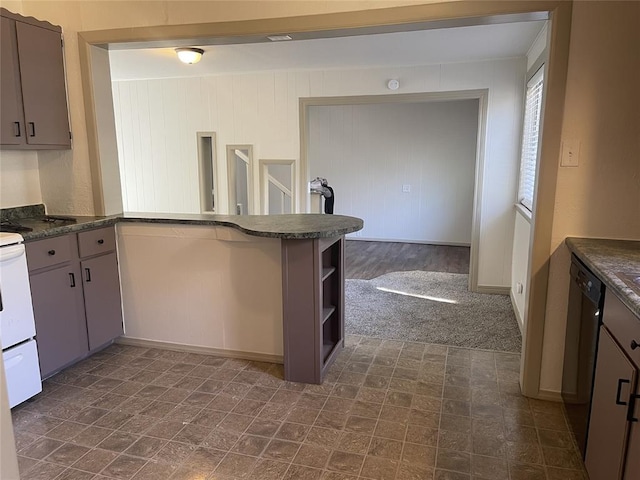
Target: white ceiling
(447, 45)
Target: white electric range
(17, 327)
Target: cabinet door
(43, 87)
(102, 299)
(61, 331)
(632, 468)
(608, 427)
(11, 121)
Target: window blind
(530, 135)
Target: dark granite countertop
(293, 226)
(606, 258)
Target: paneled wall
(158, 120)
(369, 153)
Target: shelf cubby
(313, 308)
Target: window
(530, 136)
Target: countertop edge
(606, 273)
(327, 232)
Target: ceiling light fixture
(279, 38)
(189, 55)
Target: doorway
(410, 165)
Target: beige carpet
(430, 307)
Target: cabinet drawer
(97, 241)
(50, 251)
(624, 325)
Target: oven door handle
(10, 252)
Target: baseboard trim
(219, 352)
(400, 240)
(493, 290)
(549, 395)
(516, 311)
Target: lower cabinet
(613, 445)
(58, 308)
(75, 290)
(101, 286)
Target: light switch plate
(406, 188)
(570, 153)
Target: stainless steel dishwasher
(584, 317)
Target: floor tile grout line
(397, 384)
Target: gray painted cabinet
(313, 306)
(33, 98)
(613, 443)
(75, 290)
(11, 117)
(101, 288)
(59, 312)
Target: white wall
(19, 179)
(158, 120)
(601, 197)
(520, 266)
(522, 228)
(211, 287)
(368, 152)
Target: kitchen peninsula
(261, 287)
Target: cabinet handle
(18, 133)
(634, 344)
(632, 407)
(33, 129)
(72, 280)
(620, 382)
(51, 252)
(87, 276)
(100, 242)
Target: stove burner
(13, 227)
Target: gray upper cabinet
(34, 101)
(11, 121)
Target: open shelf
(313, 287)
(327, 312)
(326, 272)
(327, 349)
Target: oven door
(16, 312)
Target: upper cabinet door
(11, 121)
(43, 85)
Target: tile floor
(388, 410)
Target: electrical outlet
(570, 153)
(519, 288)
(406, 188)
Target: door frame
(481, 95)
(381, 20)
